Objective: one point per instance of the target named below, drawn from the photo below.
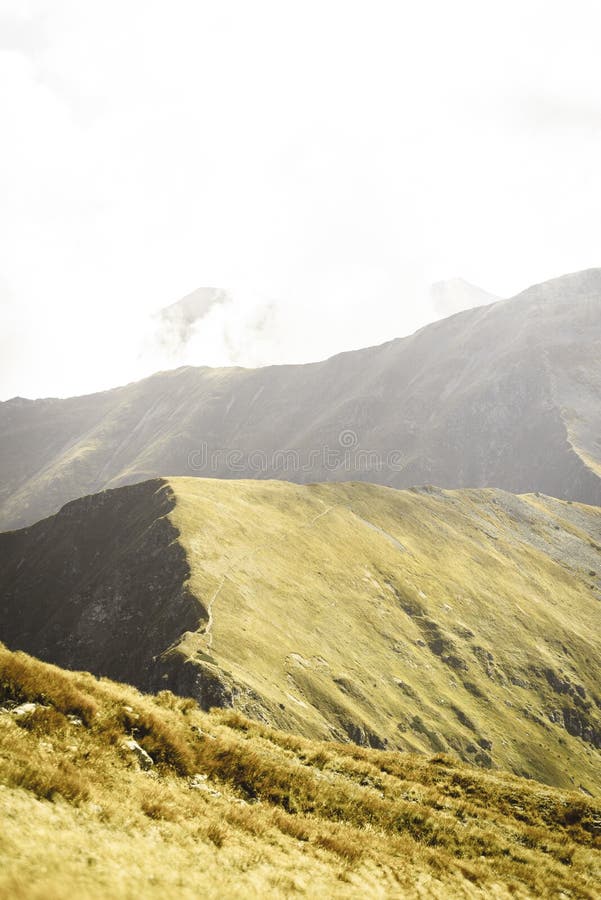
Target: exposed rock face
(441, 621)
(143, 759)
(506, 395)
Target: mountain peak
(456, 294)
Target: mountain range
(362, 596)
(505, 395)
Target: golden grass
(232, 808)
(419, 620)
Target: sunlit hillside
(464, 622)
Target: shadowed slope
(101, 585)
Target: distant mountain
(456, 295)
(505, 395)
(211, 323)
(176, 322)
(462, 621)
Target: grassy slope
(272, 814)
(427, 620)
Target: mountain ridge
(422, 620)
(569, 278)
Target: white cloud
(325, 161)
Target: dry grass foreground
(214, 805)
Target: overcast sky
(323, 161)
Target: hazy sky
(324, 161)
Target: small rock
(203, 734)
(199, 783)
(75, 720)
(24, 709)
(144, 759)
